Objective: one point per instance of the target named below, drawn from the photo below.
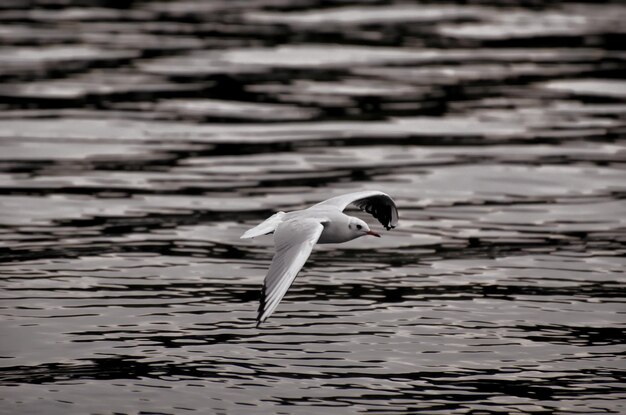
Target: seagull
(295, 234)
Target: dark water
(138, 143)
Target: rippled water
(138, 143)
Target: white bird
(295, 234)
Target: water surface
(137, 144)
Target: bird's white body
(338, 230)
(295, 234)
(336, 224)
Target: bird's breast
(334, 235)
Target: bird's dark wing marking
(381, 207)
(378, 204)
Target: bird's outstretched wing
(294, 242)
(378, 204)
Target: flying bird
(295, 234)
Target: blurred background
(139, 139)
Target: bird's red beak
(373, 234)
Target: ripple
(572, 20)
(600, 87)
(369, 15)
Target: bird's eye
(359, 227)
